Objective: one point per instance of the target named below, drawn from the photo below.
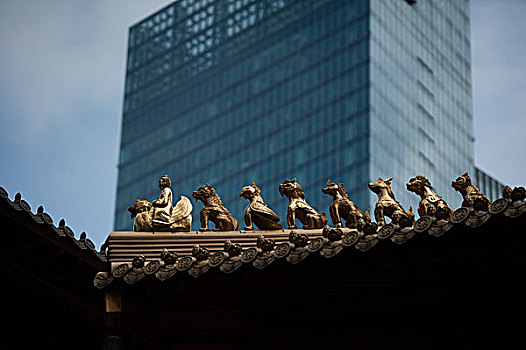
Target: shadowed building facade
(487, 184)
(234, 91)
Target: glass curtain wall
(421, 107)
(234, 92)
(230, 92)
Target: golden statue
(343, 208)
(388, 206)
(257, 212)
(214, 210)
(159, 215)
(431, 204)
(299, 208)
(471, 194)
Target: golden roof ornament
(430, 204)
(473, 198)
(388, 206)
(257, 211)
(230, 250)
(299, 208)
(214, 210)
(343, 208)
(159, 215)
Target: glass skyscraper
(490, 186)
(230, 92)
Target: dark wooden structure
(47, 296)
(462, 289)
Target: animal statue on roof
(431, 204)
(214, 210)
(388, 206)
(473, 198)
(343, 208)
(299, 208)
(159, 215)
(517, 194)
(257, 212)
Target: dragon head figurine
(417, 184)
(250, 191)
(140, 205)
(380, 184)
(462, 183)
(203, 193)
(289, 187)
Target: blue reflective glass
(235, 91)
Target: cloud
(59, 56)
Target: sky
(62, 70)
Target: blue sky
(61, 85)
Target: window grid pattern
(421, 117)
(488, 185)
(190, 36)
(293, 103)
(235, 91)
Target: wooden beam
(113, 300)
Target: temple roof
(459, 278)
(46, 274)
(134, 256)
(61, 234)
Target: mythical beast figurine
(214, 210)
(517, 194)
(471, 194)
(257, 212)
(388, 206)
(343, 208)
(299, 208)
(160, 215)
(431, 204)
